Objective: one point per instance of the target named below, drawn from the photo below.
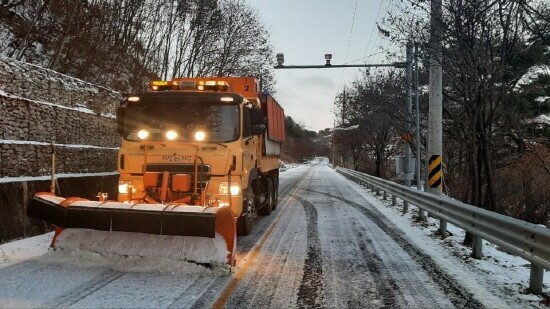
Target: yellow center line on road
(239, 274)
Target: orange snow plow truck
(199, 160)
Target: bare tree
(373, 103)
(488, 47)
(123, 44)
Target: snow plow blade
(155, 219)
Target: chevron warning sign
(435, 171)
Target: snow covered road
(325, 246)
(326, 253)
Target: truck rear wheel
(275, 192)
(267, 207)
(244, 222)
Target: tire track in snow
(225, 297)
(193, 293)
(459, 297)
(385, 285)
(311, 291)
(5, 257)
(357, 277)
(245, 244)
(273, 279)
(82, 291)
(348, 282)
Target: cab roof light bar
(163, 85)
(201, 85)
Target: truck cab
(210, 142)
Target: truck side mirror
(258, 129)
(257, 116)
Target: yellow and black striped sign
(435, 171)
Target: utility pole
(344, 106)
(435, 123)
(421, 213)
(408, 118)
(343, 121)
(333, 147)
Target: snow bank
(497, 279)
(532, 74)
(125, 248)
(284, 166)
(544, 119)
(156, 254)
(24, 249)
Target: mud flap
(226, 225)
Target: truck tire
(267, 207)
(275, 192)
(245, 220)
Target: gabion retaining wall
(40, 108)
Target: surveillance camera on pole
(328, 57)
(280, 59)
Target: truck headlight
(124, 186)
(200, 136)
(235, 188)
(143, 134)
(171, 135)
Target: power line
(351, 30)
(373, 27)
(349, 40)
(352, 61)
(293, 94)
(373, 48)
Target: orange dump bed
(275, 118)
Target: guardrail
(527, 240)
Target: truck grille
(202, 182)
(178, 168)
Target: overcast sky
(304, 30)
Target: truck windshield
(219, 122)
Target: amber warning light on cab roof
(201, 85)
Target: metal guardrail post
(477, 247)
(405, 206)
(536, 279)
(377, 191)
(421, 214)
(443, 228)
(394, 200)
(385, 197)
